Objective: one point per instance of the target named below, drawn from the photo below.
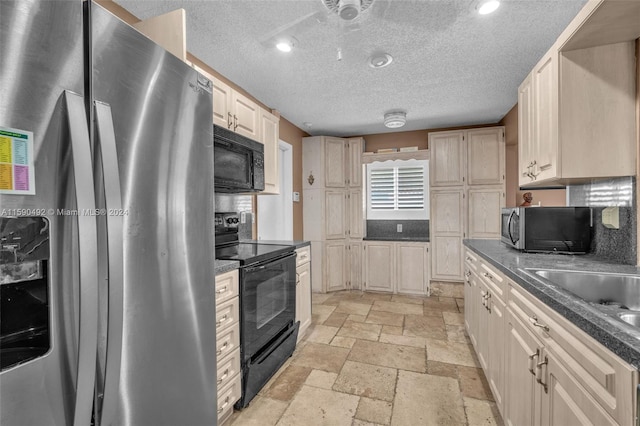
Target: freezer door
(42, 57)
(161, 111)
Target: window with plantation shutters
(398, 190)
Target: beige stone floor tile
(336, 319)
(417, 342)
(414, 300)
(322, 334)
(423, 399)
(435, 305)
(473, 383)
(342, 296)
(343, 342)
(322, 357)
(482, 413)
(372, 381)
(320, 407)
(275, 376)
(356, 318)
(376, 296)
(349, 307)
(460, 303)
(387, 355)
(360, 330)
(451, 352)
(260, 412)
(374, 411)
(391, 329)
(320, 313)
(288, 383)
(396, 307)
(432, 327)
(385, 318)
(443, 289)
(318, 298)
(443, 369)
(321, 379)
(453, 318)
(358, 422)
(457, 333)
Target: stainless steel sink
(598, 287)
(632, 318)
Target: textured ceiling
(451, 66)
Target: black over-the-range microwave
(238, 162)
(547, 229)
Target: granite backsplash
(388, 229)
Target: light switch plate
(399, 227)
(611, 218)
(296, 197)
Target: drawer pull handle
(469, 259)
(222, 349)
(532, 363)
(534, 321)
(223, 319)
(486, 274)
(222, 290)
(224, 376)
(221, 408)
(297, 278)
(539, 373)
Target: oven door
(268, 299)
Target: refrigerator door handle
(88, 255)
(106, 143)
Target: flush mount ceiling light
(349, 9)
(488, 6)
(380, 60)
(395, 119)
(286, 45)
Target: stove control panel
(227, 222)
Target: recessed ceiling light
(284, 46)
(380, 60)
(488, 6)
(395, 119)
(308, 124)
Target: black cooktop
(247, 253)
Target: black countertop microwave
(238, 162)
(547, 229)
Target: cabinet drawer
(227, 285)
(228, 367)
(227, 396)
(471, 261)
(494, 280)
(227, 314)
(304, 255)
(227, 341)
(607, 378)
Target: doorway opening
(275, 212)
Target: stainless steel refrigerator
(106, 224)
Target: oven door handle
(268, 263)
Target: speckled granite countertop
(406, 239)
(295, 243)
(619, 337)
(223, 266)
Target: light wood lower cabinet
(303, 289)
(396, 267)
(541, 368)
(227, 323)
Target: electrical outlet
(243, 217)
(399, 227)
(611, 218)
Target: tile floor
(377, 359)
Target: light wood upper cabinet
(580, 121)
(447, 212)
(332, 162)
(485, 205)
(446, 163)
(335, 165)
(222, 115)
(356, 214)
(335, 219)
(245, 116)
(354, 175)
(168, 31)
(270, 135)
(486, 156)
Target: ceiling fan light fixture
(488, 6)
(395, 119)
(349, 9)
(380, 60)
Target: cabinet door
(496, 333)
(269, 131)
(303, 297)
(335, 268)
(485, 159)
(355, 214)
(471, 308)
(379, 266)
(526, 136)
(245, 116)
(446, 234)
(545, 90)
(355, 266)
(354, 176)
(524, 393)
(335, 153)
(222, 115)
(484, 212)
(335, 215)
(412, 267)
(446, 258)
(482, 346)
(446, 158)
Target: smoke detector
(395, 119)
(347, 10)
(380, 60)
